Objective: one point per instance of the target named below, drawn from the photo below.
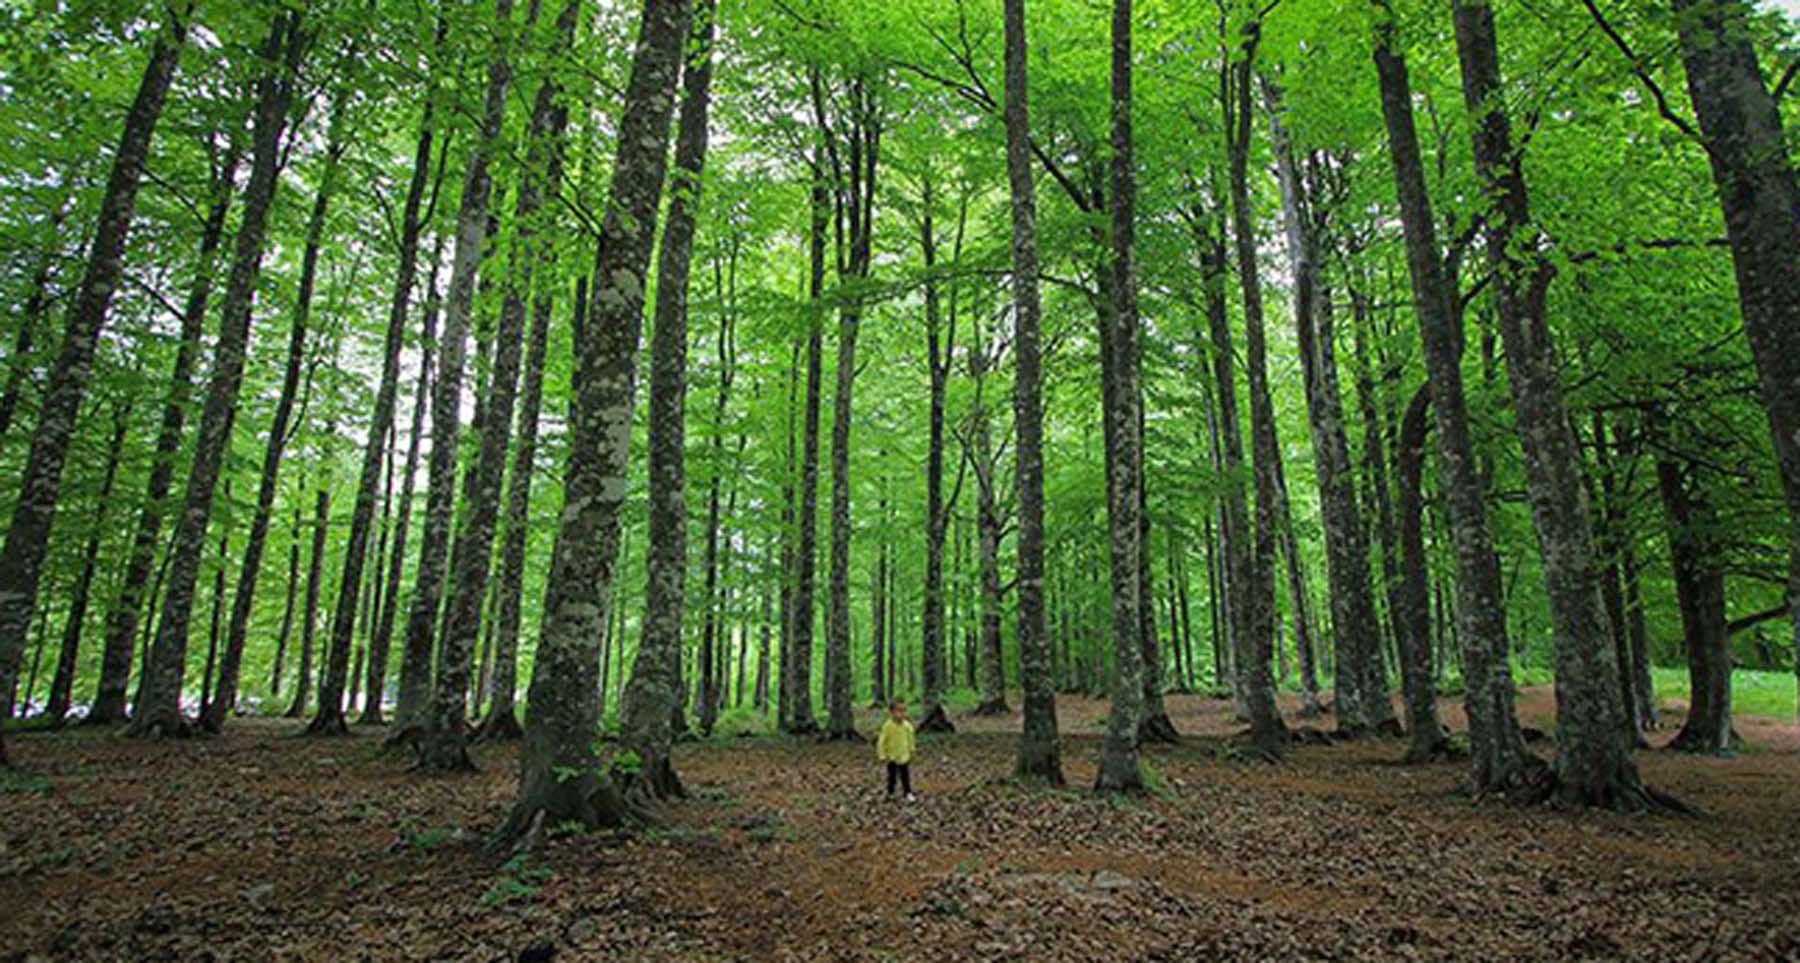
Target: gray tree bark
(159, 700)
(212, 718)
(1119, 770)
(28, 533)
(1747, 150)
(1361, 706)
(560, 778)
(1499, 760)
(417, 714)
(1255, 646)
(62, 684)
(1594, 762)
(654, 692)
(1039, 755)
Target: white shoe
(911, 798)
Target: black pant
(902, 772)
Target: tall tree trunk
(1499, 760)
(1118, 769)
(940, 349)
(1234, 517)
(415, 661)
(559, 732)
(854, 182)
(800, 717)
(502, 718)
(444, 747)
(416, 714)
(28, 534)
(212, 635)
(1154, 724)
(987, 658)
(1361, 705)
(654, 692)
(878, 603)
(287, 612)
(762, 653)
(1266, 730)
(725, 285)
(63, 683)
(212, 719)
(1697, 562)
(159, 700)
(1612, 535)
(1411, 599)
(1594, 762)
(315, 576)
(1747, 150)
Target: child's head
(897, 709)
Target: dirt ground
(263, 846)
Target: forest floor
(262, 846)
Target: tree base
(993, 707)
(801, 727)
(843, 735)
(501, 725)
(371, 717)
(1249, 746)
(937, 720)
(1039, 761)
(587, 800)
(1310, 736)
(444, 752)
(1390, 728)
(406, 736)
(160, 724)
(1691, 740)
(1428, 749)
(1158, 729)
(1119, 776)
(328, 725)
(654, 780)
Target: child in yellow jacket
(894, 746)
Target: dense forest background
(342, 381)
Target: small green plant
(741, 722)
(1154, 782)
(12, 780)
(517, 883)
(422, 838)
(773, 829)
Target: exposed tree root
(403, 737)
(1310, 736)
(444, 752)
(502, 726)
(160, 725)
(328, 725)
(587, 800)
(937, 720)
(1158, 729)
(1246, 747)
(1691, 741)
(1116, 780)
(1422, 751)
(654, 780)
(371, 717)
(1390, 728)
